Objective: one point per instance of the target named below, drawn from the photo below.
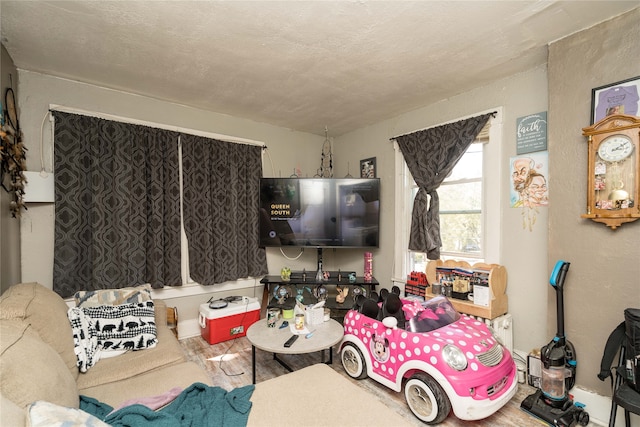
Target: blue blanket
(199, 405)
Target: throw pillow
(130, 295)
(47, 414)
(124, 327)
(98, 331)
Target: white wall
(524, 252)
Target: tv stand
(306, 282)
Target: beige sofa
(37, 362)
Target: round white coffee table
(325, 336)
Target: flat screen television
(320, 212)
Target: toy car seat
(392, 307)
(370, 308)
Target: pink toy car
(451, 361)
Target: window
(469, 216)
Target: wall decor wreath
(12, 156)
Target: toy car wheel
(426, 399)
(353, 362)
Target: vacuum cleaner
(551, 403)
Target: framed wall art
(368, 168)
(622, 97)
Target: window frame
(491, 199)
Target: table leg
(253, 362)
(282, 362)
(330, 361)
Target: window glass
(461, 217)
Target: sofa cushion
(323, 397)
(46, 311)
(31, 370)
(130, 295)
(148, 384)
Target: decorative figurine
(281, 293)
(300, 292)
(320, 292)
(342, 294)
(285, 274)
(352, 278)
(359, 290)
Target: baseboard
(188, 328)
(599, 408)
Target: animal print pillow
(124, 327)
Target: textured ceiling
(300, 65)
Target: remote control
(291, 340)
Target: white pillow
(46, 414)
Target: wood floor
(229, 366)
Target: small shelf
(498, 301)
(296, 279)
(331, 283)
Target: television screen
(319, 212)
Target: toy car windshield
(434, 314)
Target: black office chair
(623, 394)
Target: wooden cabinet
(498, 303)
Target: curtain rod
(105, 116)
(493, 114)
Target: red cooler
(223, 324)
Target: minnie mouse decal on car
(379, 348)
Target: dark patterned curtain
(117, 216)
(221, 183)
(431, 155)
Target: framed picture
(617, 98)
(368, 168)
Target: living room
(603, 279)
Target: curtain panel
(221, 209)
(431, 155)
(117, 209)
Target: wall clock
(613, 184)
